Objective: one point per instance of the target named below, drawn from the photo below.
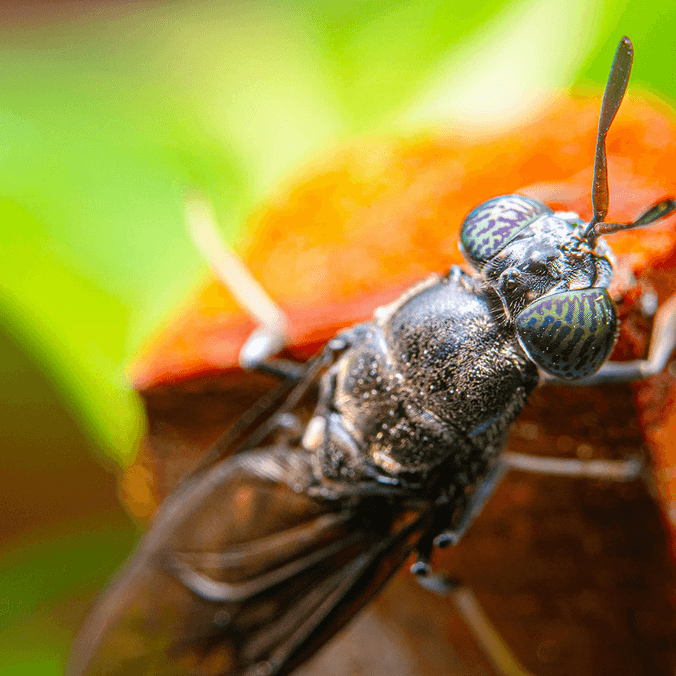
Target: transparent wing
(242, 572)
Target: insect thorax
(433, 381)
(551, 278)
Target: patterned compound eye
(489, 227)
(569, 334)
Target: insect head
(550, 270)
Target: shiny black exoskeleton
(257, 559)
(436, 379)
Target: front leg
(270, 337)
(662, 344)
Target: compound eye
(489, 227)
(569, 334)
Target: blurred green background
(109, 112)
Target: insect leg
(610, 470)
(493, 645)
(481, 495)
(486, 635)
(466, 603)
(271, 335)
(662, 344)
(284, 417)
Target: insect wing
(242, 573)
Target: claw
(421, 567)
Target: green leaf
(45, 590)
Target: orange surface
(359, 225)
(364, 222)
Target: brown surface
(575, 574)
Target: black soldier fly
(256, 560)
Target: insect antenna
(657, 212)
(612, 98)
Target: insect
(256, 560)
